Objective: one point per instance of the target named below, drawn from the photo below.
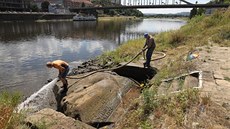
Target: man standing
(63, 68)
(150, 46)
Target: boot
(65, 89)
(144, 65)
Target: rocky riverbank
(94, 98)
(106, 99)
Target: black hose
(102, 70)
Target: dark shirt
(150, 43)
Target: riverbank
(34, 16)
(205, 35)
(31, 16)
(105, 18)
(187, 109)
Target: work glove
(144, 49)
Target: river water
(25, 47)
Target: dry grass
(8, 101)
(5, 115)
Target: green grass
(227, 79)
(8, 101)
(174, 105)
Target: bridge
(145, 4)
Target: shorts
(65, 73)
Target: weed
(176, 38)
(41, 125)
(227, 79)
(8, 101)
(224, 68)
(205, 99)
(209, 51)
(181, 82)
(149, 101)
(146, 125)
(173, 105)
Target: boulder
(95, 97)
(51, 119)
(191, 82)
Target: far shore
(104, 18)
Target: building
(57, 8)
(76, 3)
(39, 2)
(14, 5)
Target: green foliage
(45, 6)
(227, 79)
(146, 125)
(174, 105)
(150, 103)
(221, 1)
(176, 38)
(42, 124)
(222, 36)
(112, 12)
(34, 8)
(227, 1)
(193, 13)
(200, 11)
(8, 101)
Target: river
(25, 47)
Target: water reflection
(25, 47)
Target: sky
(174, 10)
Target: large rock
(37, 102)
(51, 119)
(191, 82)
(94, 98)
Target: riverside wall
(27, 16)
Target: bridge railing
(153, 6)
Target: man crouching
(63, 68)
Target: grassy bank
(200, 31)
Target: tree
(34, 8)
(193, 13)
(45, 6)
(200, 11)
